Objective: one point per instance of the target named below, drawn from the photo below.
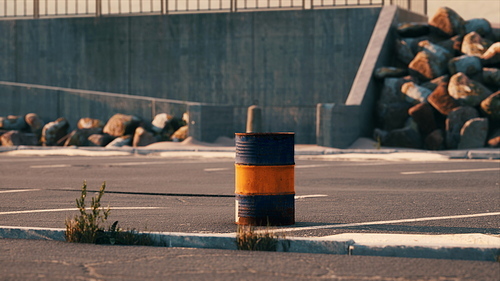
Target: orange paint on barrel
(264, 180)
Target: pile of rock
(119, 130)
(446, 94)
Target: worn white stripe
(51, 166)
(450, 171)
(18, 190)
(75, 209)
(380, 222)
(215, 169)
(309, 196)
(311, 166)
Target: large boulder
(435, 140)
(54, 131)
(159, 122)
(491, 107)
(430, 62)
(120, 125)
(469, 65)
(13, 122)
(415, 93)
(473, 133)
(15, 138)
(388, 72)
(479, 25)
(474, 45)
(453, 45)
(392, 115)
(467, 91)
(79, 137)
(404, 52)
(447, 22)
(492, 55)
(181, 134)
(413, 29)
(99, 140)
(35, 124)
(408, 136)
(142, 137)
(494, 138)
(89, 123)
(423, 115)
(491, 77)
(454, 123)
(441, 100)
(120, 141)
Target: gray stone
(448, 22)
(407, 137)
(158, 123)
(491, 77)
(404, 52)
(391, 91)
(54, 131)
(434, 140)
(474, 45)
(120, 125)
(181, 134)
(441, 100)
(467, 91)
(492, 55)
(454, 123)
(473, 133)
(35, 124)
(99, 140)
(392, 115)
(453, 45)
(89, 123)
(142, 137)
(494, 138)
(479, 25)
(430, 62)
(415, 93)
(413, 29)
(171, 127)
(13, 122)
(79, 137)
(15, 138)
(434, 83)
(423, 115)
(120, 141)
(491, 107)
(387, 72)
(469, 65)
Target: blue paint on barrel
(266, 209)
(265, 148)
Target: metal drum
(264, 179)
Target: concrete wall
(285, 61)
(340, 124)
(207, 121)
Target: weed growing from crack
(84, 228)
(248, 239)
(87, 226)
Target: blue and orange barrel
(265, 179)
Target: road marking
(311, 166)
(310, 196)
(215, 169)
(18, 190)
(75, 209)
(450, 171)
(51, 166)
(380, 222)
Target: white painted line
(450, 171)
(75, 209)
(311, 166)
(18, 190)
(381, 222)
(51, 166)
(215, 169)
(309, 196)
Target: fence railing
(55, 8)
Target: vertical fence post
(98, 8)
(425, 7)
(36, 9)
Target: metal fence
(55, 8)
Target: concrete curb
(343, 244)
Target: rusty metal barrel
(265, 179)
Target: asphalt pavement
(475, 238)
